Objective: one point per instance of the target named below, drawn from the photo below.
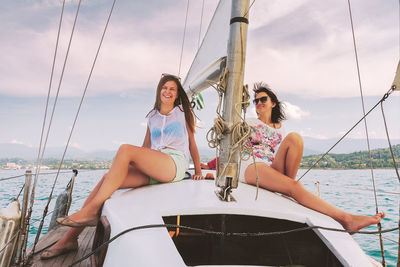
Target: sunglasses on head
(171, 75)
(262, 99)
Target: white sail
(396, 82)
(209, 61)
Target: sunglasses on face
(262, 99)
(171, 75)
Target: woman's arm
(147, 140)
(194, 152)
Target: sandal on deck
(65, 220)
(51, 253)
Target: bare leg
(274, 180)
(151, 163)
(73, 233)
(288, 157)
(134, 179)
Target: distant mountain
(380, 158)
(312, 146)
(26, 152)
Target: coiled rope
(238, 234)
(240, 132)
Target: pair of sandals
(65, 220)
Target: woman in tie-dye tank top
(276, 160)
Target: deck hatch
(302, 248)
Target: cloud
(294, 112)
(118, 142)
(75, 145)
(360, 134)
(299, 46)
(14, 141)
(308, 133)
(309, 51)
(130, 58)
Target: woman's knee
(295, 189)
(295, 139)
(125, 150)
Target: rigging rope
(366, 128)
(47, 173)
(390, 144)
(394, 241)
(51, 119)
(237, 234)
(9, 241)
(183, 39)
(73, 126)
(385, 96)
(362, 101)
(20, 191)
(11, 177)
(394, 85)
(247, 12)
(33, 223)
(42, 150)
(39, 160)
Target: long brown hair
(277, 114)
(182, 98)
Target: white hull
(154, 247)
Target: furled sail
(210, 59)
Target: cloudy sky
(302, 48)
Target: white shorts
(246, 163)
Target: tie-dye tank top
(263, 141)
(169, 130)
(263, 144)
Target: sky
(302, 48)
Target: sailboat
(221, 222)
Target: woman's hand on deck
(197, 176)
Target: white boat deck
(154, 247)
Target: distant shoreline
(380, 158)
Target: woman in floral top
(277, 166)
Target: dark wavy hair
(277, 112)
(181, 99)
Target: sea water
(349, 190)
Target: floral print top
(263, 141)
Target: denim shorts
(180, 162)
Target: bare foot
(357, 222)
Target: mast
(228, 161)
